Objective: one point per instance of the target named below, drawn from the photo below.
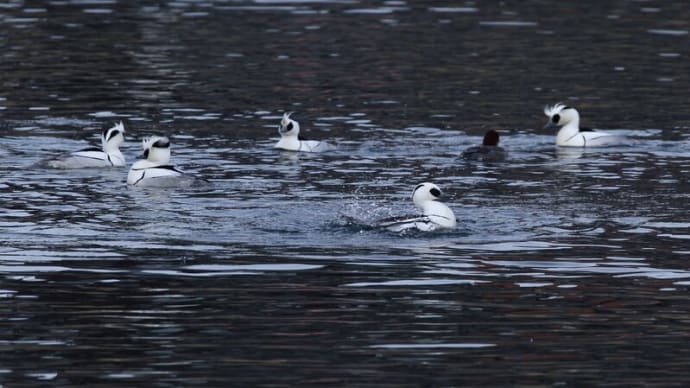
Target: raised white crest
(554, 109)
(286, 119)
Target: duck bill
(550, 125)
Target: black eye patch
(146, 154)
(113, 134)
(556, 118)
(435, 192)
(290, 126)
(162, 143)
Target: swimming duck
(489, 151)
(290, 140)
(107, 156)
(435, 215)
(570, 134)
(154, 168)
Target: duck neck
(111, 148)
(568, 131)
(116, 154)
(288, 143)
(430, 207)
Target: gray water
(568, 267)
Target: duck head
(561, 115)
(113, 138)
(288, 126)
(491, 138)
(425, 192)
(156, 149)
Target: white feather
(550, 110)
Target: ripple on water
(633, 267)
(454, 9)
(432, 346)
(417, 283)
(568, 267)
(375, 11)
(24, 268)
(507, 23)
(207, 270)
(671, 32)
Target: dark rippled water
(568, 267)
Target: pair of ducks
(570, 134)
(434, 214)
(154, 164)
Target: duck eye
(146, 154)
(556, 118)
(290, 126)
(435, 192)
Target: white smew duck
(154, 167)
(571, 135)
(108, 155)
(435, 215)
(290, 140)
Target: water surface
(568, 267)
